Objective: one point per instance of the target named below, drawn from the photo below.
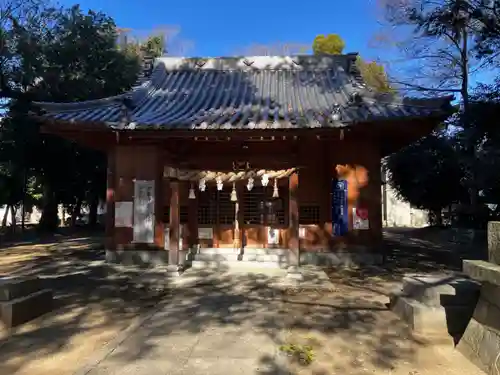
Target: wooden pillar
(173, 254)
(193, 221)
(110, 242)
(159, 199)
(216, 227)
(294, 242)
(239, 240)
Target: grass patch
(303, 354)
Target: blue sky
(225, 28)
(218, 28)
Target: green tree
(434, 179)
(54, 61)
(447, 40)
(331, 44)
(373, 74)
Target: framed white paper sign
(144, 211)
(273, 236)
(205, 233)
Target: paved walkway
(220, 326)
(235, 323)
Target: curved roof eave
(252, 92)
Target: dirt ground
(351, 331)
(93, 305)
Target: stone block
(441, 290)
(294, 273)
(420, 318)
(24, 309)
(494, 242)
(491, 293)
(439, 322)
(487, 313)
(15, 287)
(481, 346)
(482, 271)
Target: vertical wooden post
(294, 241)
(173, 254)
(240, 189)
(159, 199)
(110, 242)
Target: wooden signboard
(339, 207)
(144, 211)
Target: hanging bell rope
(234, 196)
(275, 189)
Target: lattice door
(254, 202)
(226, 207)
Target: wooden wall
(358, 161)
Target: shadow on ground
(237, 317)
(242, 320)
(421, 251)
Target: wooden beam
(294, 240)
(159, 202)
(110, 202)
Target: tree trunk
(13, 212)
(5, 216)
(75, 213)
(49, 220)
(470, 149)
(93, 207)
(438, 216)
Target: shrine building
(258, 155)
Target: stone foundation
(438, 307)
(159, 258)
(494, 242)
(22, 299)
(481, 340)
(142, 258)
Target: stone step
(200, 264)
(244, 257)
(247, 251)
(436, 291)
(16, 287)
(21, 310)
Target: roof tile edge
(298, 62)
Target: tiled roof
(252, 92)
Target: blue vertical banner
(339, 207)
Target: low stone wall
(22, 299)
(481, 340)
(437, 307)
